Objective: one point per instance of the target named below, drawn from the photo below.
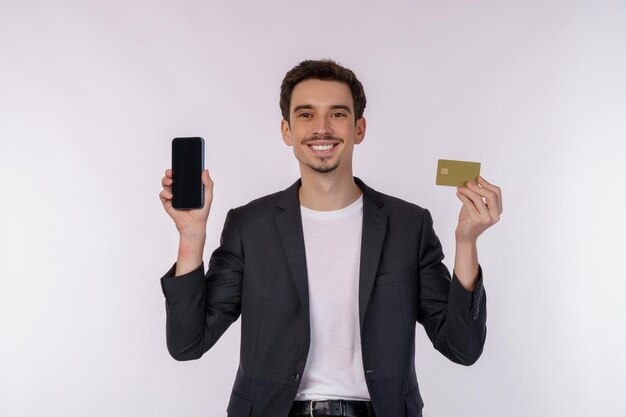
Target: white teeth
(321, 147)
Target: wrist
(191, 235)
(465, 242)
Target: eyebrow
(334, 106)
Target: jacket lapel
(372, 237)
(289, 223)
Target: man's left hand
(477, 215)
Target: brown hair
(326, 70)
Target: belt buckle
(312, 405)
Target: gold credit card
(456, 173)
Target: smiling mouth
(323, 149)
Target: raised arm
(200, 308)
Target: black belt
(321, 408)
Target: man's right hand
(188, 222)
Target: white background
(92, 93)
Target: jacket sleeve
(454, 318)
(200, 308)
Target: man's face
(322, 114)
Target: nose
(322, 125)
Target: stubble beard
(323, 169)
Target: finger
(476, 198)
(206, 179)
(468, 203)
(168, 172)
(167, 203)
(165, 181)
(165, 196)
(490, 204)
(484, 183)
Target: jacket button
(295, 376)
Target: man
(329, 275)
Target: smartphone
(456, 173)
(187, 167)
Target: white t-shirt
(334, 368)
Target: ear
(286, 132)
(361, 124)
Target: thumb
(206, 180)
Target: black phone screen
(187, 167)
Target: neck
(326, 192)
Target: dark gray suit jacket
(259, 272)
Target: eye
(339, 114)
(305, 115)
